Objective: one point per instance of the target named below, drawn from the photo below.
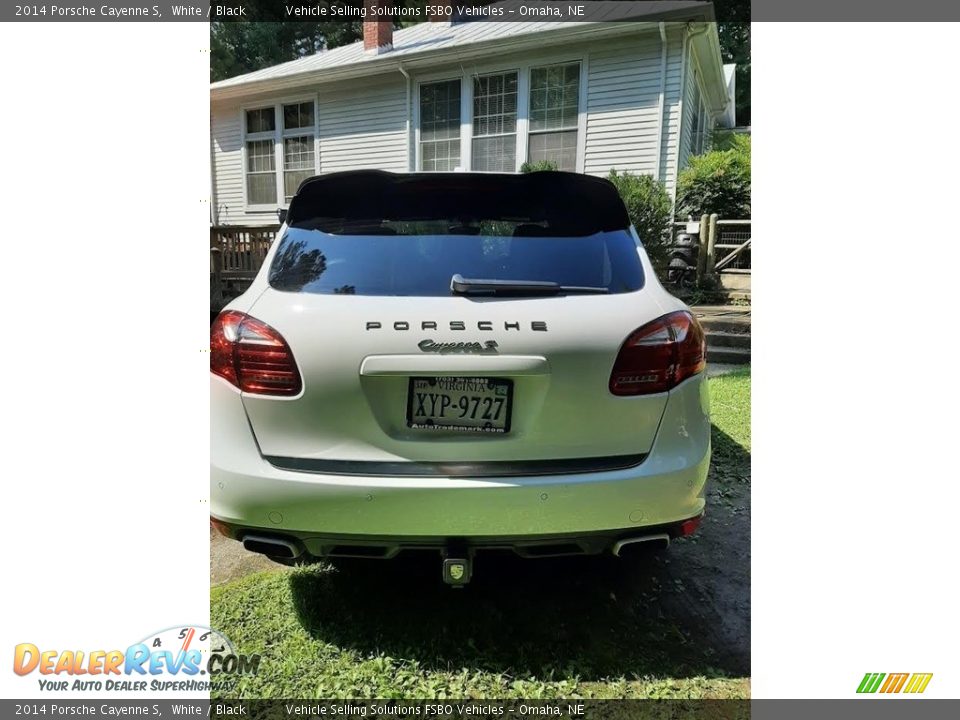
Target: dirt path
(229, 561)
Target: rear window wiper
(460, 285)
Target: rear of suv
(456, 362)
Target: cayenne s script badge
(488, 347)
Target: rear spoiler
(568, 204)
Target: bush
(717, 181)
(648, 206)
(543, 165)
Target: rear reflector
(252, 356)
(659, 356)
(689, 527)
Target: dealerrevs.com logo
(182, 659)
(892, 683)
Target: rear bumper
(249, 495)
(303, 546)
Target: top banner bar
(478, 11)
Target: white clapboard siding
(226, 142)
(689, 108)
(363, 126)
(623, 104)
(671, 113)
(360, 126)
(686, 127)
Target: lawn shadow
(684, 613)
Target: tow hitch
(457, 567)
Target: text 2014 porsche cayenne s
(456, 362)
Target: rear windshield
(420, 258)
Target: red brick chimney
(377, 32)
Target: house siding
(364, 126)
(623, 105)
(686, 127)
(226, 144)
(359, 126)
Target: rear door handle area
(450, 364)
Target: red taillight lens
(689, 527)
(659, 356)
(252, 355)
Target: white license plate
(460, 404)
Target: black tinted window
(405, 258)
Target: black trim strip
(499, 468)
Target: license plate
(460, 404)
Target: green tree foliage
(541, 166)
(733, 27)
(648, 206)
(717, 181)
(735, 48)
(242, 47)
(266, 39)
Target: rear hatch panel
(356, 380)
(361, 287)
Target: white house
(481, 96)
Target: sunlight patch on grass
(730, 410)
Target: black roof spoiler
(569, 204)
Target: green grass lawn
(730, 411)
(564, 628)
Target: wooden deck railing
(241, 250)
(236, 254)
(724, 245)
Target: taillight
(689, 527)
(659, 356)
(252, 355)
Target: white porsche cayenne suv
(459, 363)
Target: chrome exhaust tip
(660, 541)
(272, 546)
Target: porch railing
(724, 244)
(236, 254)
(732, 246)
(241, 250)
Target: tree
(717, 181)
(539, 166)
(648, 206)
(242, 47)
(733, 26)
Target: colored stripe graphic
(918, 682)
(894, 682)
(870, 682)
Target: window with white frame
(440, 125)
(298, 149)
(261, 157)
(554, 115)
(495, 122)
(280, 151)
